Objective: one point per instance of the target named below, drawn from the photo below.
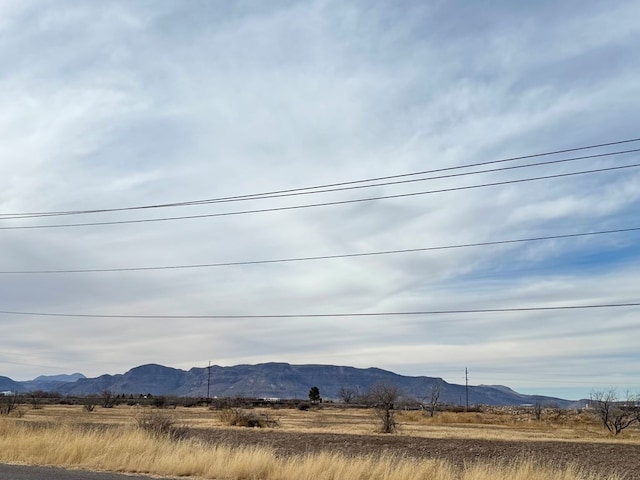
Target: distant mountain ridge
(8, 385)
(49, 383)
(272, 380)
(59, 378)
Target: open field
(324, 443)
(495, 424)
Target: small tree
(538, 408)
(314, 395)
(36, 398)
(8, 403)
(614, 414)
(432, 399)
(347, 394)
(383, 397)
(108, 399)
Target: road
(24, 472)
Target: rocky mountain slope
(272, 380)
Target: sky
(119, 104)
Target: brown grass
(499, 424)
(107, 439)
(555, 425)
(134, 450)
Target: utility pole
(466, 388)
(209, 383)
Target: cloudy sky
(110, 105)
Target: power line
(268, 196)
(323, 257)
(323, 204)
(329, 315)
(316, 189)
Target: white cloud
(132, 104)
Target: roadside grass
(128, 449)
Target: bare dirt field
(597, 457)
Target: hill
(283, 380)
(49, 383)
(8, 385)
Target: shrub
(238, 417)
(89, 402)
(160, 424)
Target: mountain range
(273, 380)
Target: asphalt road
(23, 472)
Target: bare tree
(37, 397)
(614, 414)
(538, 408)
(383, 397)
(432, 399)
(108, 399)
(8, 403)
(347, 394)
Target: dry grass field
(323, 443)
